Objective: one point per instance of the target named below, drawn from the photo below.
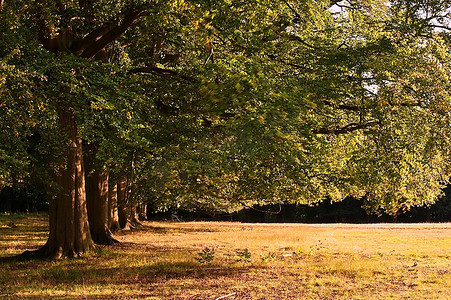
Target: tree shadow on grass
(122, 265)
(152, 277)
(110, 266)
(22, 232)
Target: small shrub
(244, 256)
(206, 255)
(299, 253)
(271, 256)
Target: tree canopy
(225, 104)
(323, 99)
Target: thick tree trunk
(69, 228)
(97, 200)
(113, 218)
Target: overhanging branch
(270, 212)
(345, 129)
(343, 106)
(162, 72)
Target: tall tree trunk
(142, 212)
(69, 228)
(134, 218)
(122, 204)
(113, 218)
(97, 200)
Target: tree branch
(270, 212)
(296, 38)
(162, 72)
(345, 129)
(343, 106)
(293, 10)
(438, 26)
(91, 38)
(111, 35)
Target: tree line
(349, 210)
(219, 106)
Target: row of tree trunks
(97, 200)
(109, 208)
(87, 208)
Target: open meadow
(209, 260)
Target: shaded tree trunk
(68, 219)
(142, 212)
(134, 218)
(97, 201)
(113, 218)
(122, 205)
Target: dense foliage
(227, 104)
(314, 100)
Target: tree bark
(142, 212)
(134, 218)
(68, 219)
(122, 204)
(97, 200)
(113, 218)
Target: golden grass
(287, 261)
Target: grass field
(206, 260)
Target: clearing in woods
(209, 260)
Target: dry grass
(287, 261)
